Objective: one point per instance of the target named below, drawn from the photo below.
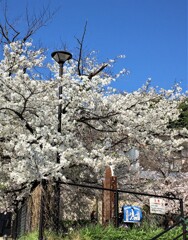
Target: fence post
(56, 209)
(182, 217)
(107, 196)
(116, 208)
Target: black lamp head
(61, 56)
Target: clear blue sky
(151, 33)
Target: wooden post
(108, 197)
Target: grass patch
(98, 232)
(35, 236)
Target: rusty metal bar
(119, 191)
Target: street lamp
(60, 57)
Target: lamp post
(60, 57)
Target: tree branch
(91, 75)
(21, 117)
(96, 129)
(80, 71)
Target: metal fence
(64, 206)
(21, 220)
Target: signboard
(157, 205)
(132, 214)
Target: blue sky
(151, 33)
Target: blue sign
(132, 214)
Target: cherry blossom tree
(99, 125)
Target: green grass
(98, 232)
(110, 233)
(30, 236)
(35, 235)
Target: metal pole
(57, 185)
(182, 217)
(116, 203)
(60, 104)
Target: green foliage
(30, 236)
(98, 232)
(35, 235)
(110, 233)
(183, 117)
